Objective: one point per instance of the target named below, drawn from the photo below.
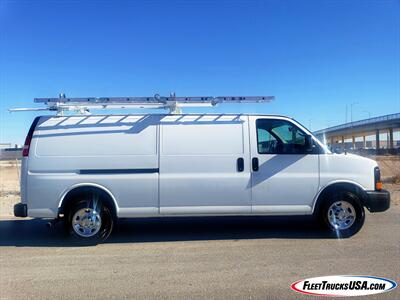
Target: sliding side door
(204, 165)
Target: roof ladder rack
(84, 105)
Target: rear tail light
(377, 176)
(28, 139)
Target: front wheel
(342, 214)
(90, 220)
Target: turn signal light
(378, 186)
(377, 179)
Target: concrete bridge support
(377, 140)
(391, 143)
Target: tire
(342, 214)
(90, 221)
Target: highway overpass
(374, 133)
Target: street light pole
(351, 111)
(369, 113)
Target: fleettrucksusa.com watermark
(344, 285)
(352, 285)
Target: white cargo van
(91, 170)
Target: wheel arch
(69, 195)
(350, 186)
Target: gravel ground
(216, 258)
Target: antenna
(83, 105)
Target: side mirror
(309, 143)
(338, 151)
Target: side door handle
(254, 164)
(240, 164)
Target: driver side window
(266, 142)
(276, 136)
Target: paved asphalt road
(193, 258)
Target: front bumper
(377, 201)
(20, 210)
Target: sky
(316, 57)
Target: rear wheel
(342, 213)
(90, 220)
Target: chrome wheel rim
(86, 222)
(341, 215)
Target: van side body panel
(24, 180)
(119, 153)
(335, 168)
(199, 165)
(284, 184)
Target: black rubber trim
(377, 201)
(20, 210)
(377, 175)
(119, 171)
(33, 126)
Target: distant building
(9, 152)
(5, 145)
